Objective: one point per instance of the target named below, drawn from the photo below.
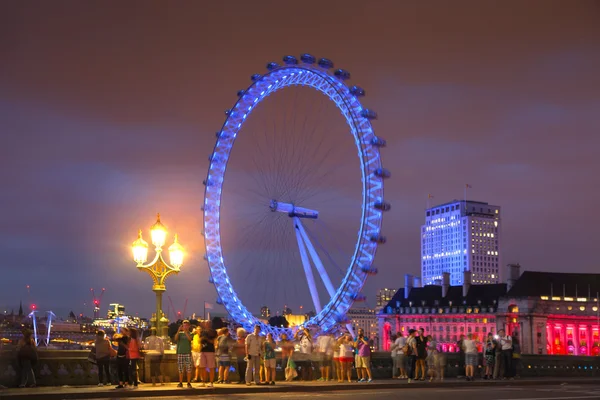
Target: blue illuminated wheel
(287, 180)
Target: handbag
(92, 356)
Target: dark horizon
(109, 110)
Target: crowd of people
(206, 356)
(417, 356)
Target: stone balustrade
(71, 367)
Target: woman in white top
(346, 356)
(470, 348)
(398, 357)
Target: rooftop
(535, 284)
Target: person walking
(133, 355)
(287, 350)
(239, 349)
(155, 350)
(325, 347)
(103, 353)
(184, 338)
(27, 357)
(253, 348)
(224, 345)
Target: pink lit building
(445, 312)
(550, 313)
(553, 313)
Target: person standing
(410, 349)
(461, 357)
(346, 356)
(304, 337)
(196, 355)
(399, 358)
(421, 342)
(155, 349)
(363, 357)
(470, 349)
(239, 348)
(489, 354)
(122, 362)
(505, 343)
(27, 357)
(103, 352)
(269, 359)
(516, 356)
(133, 355)
(207, 358)
(184, 338)
(253, 347)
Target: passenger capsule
(308, 58)
(325, 63)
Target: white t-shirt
(505, 342)
(306, 345)
(253, 344)
(399, 343)
(469, 346)
(325, 344)
(347, 350)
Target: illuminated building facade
(445, 312)
(384, 296)
(549, 313)
(553, 313)
(364, 318)
(458, 236)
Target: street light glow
(140, 249)
(158, 233)
(176, 253)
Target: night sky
(108, 112)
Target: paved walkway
(147, 390)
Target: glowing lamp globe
(158, 233)
(140, 249)
(176, 253)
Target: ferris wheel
(280, 200)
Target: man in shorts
(207, 358)
(363, 357)
(325, 347)
(196, 354)
(184, 338)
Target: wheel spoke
(315, 258)
(307, 268)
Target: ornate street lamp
(158, 269)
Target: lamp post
(158, 269)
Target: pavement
(523, 389)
